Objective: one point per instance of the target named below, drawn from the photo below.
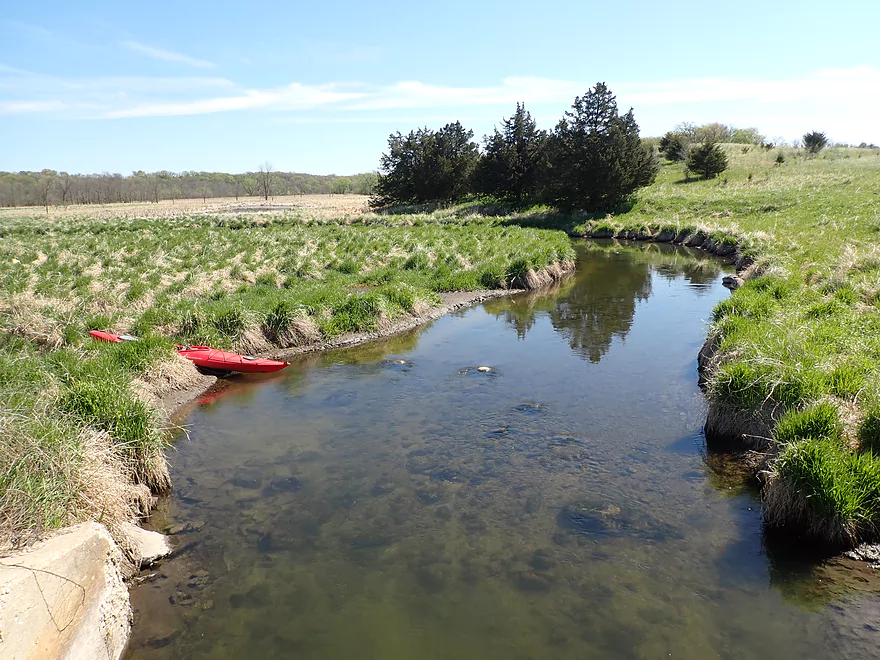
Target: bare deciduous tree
(44, 187)
(64, 184)
(265, 178)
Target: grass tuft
(821, 420)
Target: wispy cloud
(292, 97)
(855, 82)
(27, 107)
(344, 53)
(167, 55)
(836, 100)
(33, 31)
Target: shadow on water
(395, 501)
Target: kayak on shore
(209, 360)
(212, 360)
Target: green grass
(203, 280)
(244, 283)
(833, 492)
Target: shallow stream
(393, 501)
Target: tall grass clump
(821, 421)
(102, 399)
(75, 443)
(831, 493)
(869, 432)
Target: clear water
(394, 502)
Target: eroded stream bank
(393, 501)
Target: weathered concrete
(150, 545)
(65, 598)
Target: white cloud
(27, 107)
(167, 55)
(838, 101)
(292, 97)
(856, 82)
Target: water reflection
(393, 501)
(598, 305)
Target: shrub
(674, 147)
(707, 160)
(814, 141)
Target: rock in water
(732, 282)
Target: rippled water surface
(393, 501)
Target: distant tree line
(716, 132)
(593, 160)
(49, 187)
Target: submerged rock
(594, 517)
(531, 408)
(246, 482)
(282, 485)
(732, 282)
(591, 518)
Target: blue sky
(318, 87)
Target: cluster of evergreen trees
(593, 160)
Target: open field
(307, 207)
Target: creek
(393, 501)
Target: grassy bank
(77, 439)
(796, 362)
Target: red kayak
(100, 335)
(212, 360)
(207, 359)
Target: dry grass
(46, 488)
(318, 207)
(165, 377)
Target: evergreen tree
(815, 141)
(674, 146)
(456, 158)
(596, 157)
(707, 159)
(512, 164)
(426, 166)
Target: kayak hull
(207, 359)
(212, 359)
